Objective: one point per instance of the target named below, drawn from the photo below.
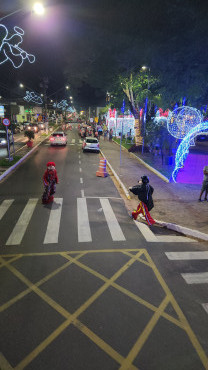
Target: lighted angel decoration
(10, 49)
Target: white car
(91, 144)
(58, 138)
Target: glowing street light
(51, 101)
(38, 9)
(67, 87)
(41, 94)
(21, 85)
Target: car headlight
(3, 141)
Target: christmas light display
(161, 117)
(61, 105)
(183, 148)
(33, 97)
(71, 110)
(182, 120)
(10, 49)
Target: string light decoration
(71, 110)
(10, 49)
(183, 148)
(61, 105)
(33, 97)
(161, 117)
(182, 120)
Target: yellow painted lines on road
(74, 257)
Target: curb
(184, 230)
(164, 178)
(10, 169)
(117, 177)
(180, 229)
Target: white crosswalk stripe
(52, 231)
(5, 206)
(196, 277)
(73, 141)
(84, 232)
(114, 227)
(22, 224)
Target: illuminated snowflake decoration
(33, 97)
(61, 105)
(71, 110)
(182, 120)
(10, 47)
(183, 148)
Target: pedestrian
(144, 192)
(204, 184)
(105, 134)
(111, 134)
(50, 179)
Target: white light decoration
(183, 148)
(182, 120)
(33, 97)
(61, 105)
(10, 49)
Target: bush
(29, 134)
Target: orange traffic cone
(102, 169)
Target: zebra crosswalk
(54, 214)
(195, 277)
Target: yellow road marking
(72, 318)
(4, 364)
(78, 312)
(40, 282)
(144, 336)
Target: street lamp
(38, 9)
(67, 87)
(144, 68)
(21, 85)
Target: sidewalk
(176, 205)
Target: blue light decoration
(10, 49)
(183, 148)
(185, 123)
(61, 105)
(71, 110)
(123, 107)
(33, 97)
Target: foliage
(6, 163)
(29, 134)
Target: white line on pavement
(81, 180)
(73, 141)
(146, 232)
(187, 255)
(82, 193)
(52, 231)
(205, 306)
(22, 224)
(196, 278)
(5, 206)
(80, 170)
(114, 227)
(79, 162)
(84, 233)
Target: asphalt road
(81, 285)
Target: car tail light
(98, 145)
(51, 138)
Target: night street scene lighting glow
(38, 9)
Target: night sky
(86, 43)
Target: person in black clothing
(144, 192)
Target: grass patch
(125, 143)
(6, 163)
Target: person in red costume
(50, 179)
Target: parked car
(41, 125)
(3, 139)
(58, 138)
(91, 144)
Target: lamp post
(144, 68)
